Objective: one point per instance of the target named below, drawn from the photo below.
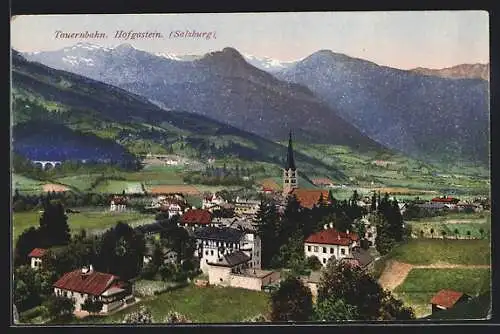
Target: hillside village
(254, 244)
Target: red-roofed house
(84, 283)
(447, 200)
(330, 242)
(196, 218)
(118, 203)
(446, 299)
(36, 257)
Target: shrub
(175, 317)
(142, 316)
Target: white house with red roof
(330, 243)
(35, 257)
(86, 283)
(118, 203)
(446, 299)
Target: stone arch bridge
(46, 164)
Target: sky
(405, 40)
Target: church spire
(290, 161)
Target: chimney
(325, 226)
(347, 231)
(331, 225)
(338, 236)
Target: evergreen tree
(266, 220)
(54, 226)
(291, 302)
(373, 206)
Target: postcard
(305, 167)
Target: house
(152, 229)
(445, 200)
(330, 243)
(235, 270)
(212, 243)
(118, 204)
(195, 218)
(210, 202)
(370, 232)
(323, 182)
(360, 258)
(246, 206)
(86, 283)
(35, 257)
(446, 299)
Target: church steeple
(290, 171)
(290, 161)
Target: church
(307, 197)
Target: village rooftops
(225, 234)
(37, 252)
(308, 198)
(446, 298)
(233, 259)
(92, 282)
(119, 200)
(197, 216)
(332, 237)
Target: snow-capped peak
(168, 56)
(267, 63)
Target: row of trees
(22, 202)
(344, 293)
(389, 223)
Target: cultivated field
(117, 187)
(81, 182)
(422, 284)
(26, 185)
(95, 220)
(208, 304)
(180, 188)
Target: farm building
(323, 182)
(86, 283)
(447, 299)
(35, 257)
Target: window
(316, 248)
(331, 250)
(211, 252)
(324, 249)
(324, 260)
(286, 181)
(206, 252)
(308, 248)
(369, 235)
(342, 251)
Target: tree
(313, 263)
(373, 206)
(422, 234)
(481, 230)
(468, 234)
(291, 302)
(54, 226)
(31, 286)
(266, 220)
(341, 280)
(26, 242)
(167, 271)
(58, 306)
(92, 305)
(443, 233)
(142, 316)
(121, 251)
(432, 233)
(456, 233)
(384, 241)
(331, 309)
(393, 309)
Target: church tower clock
(290, 180)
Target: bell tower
(290, 181)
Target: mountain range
(62, 115)
(462, 71)
(327, 97)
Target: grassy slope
(209, 305)
(422, 284)
(429, 251)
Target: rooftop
(332, 237)
(197, 216)
(233, 259)
(93, 282)
(446, 298)
(308, 198)
(37, 252)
